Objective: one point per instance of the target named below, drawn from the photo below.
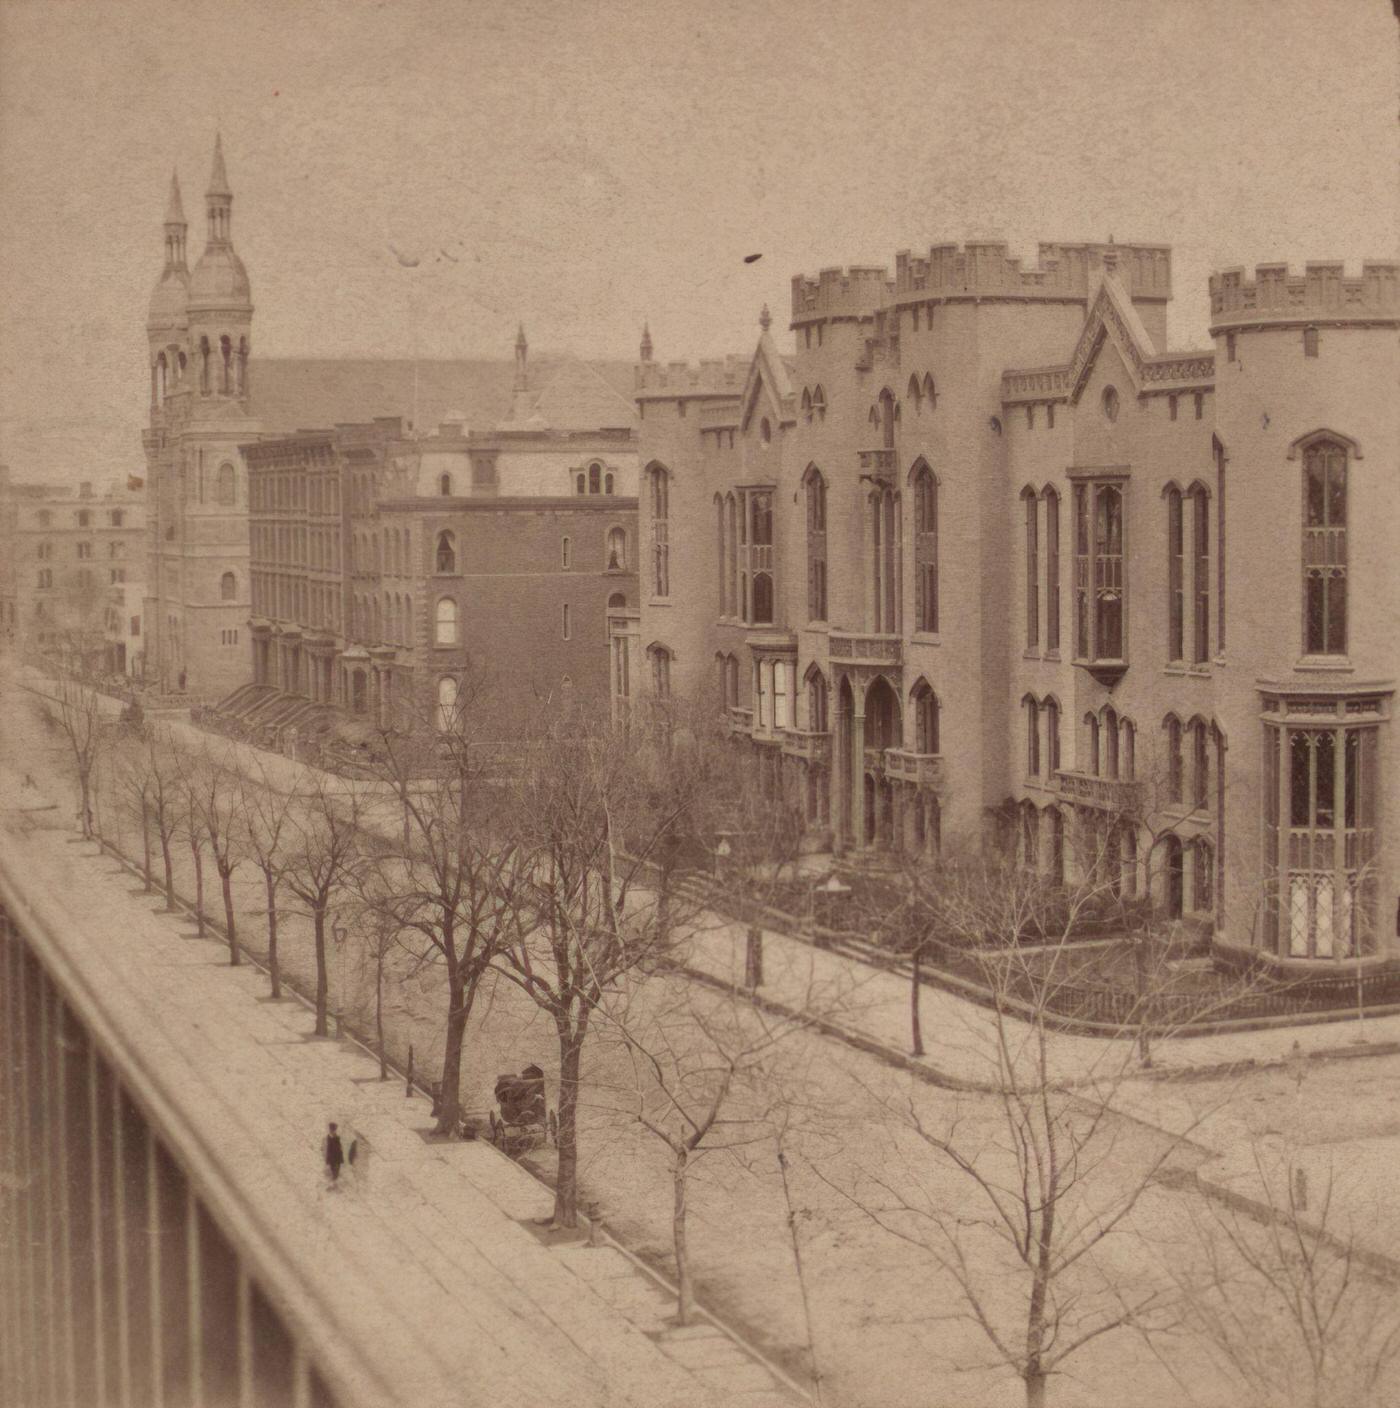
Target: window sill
(926, 638)
(1030, 655)
(659, 601)
(1324, 665)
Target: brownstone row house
(982, 556)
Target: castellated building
(983, 561)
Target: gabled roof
(771, 367)
(1111, 317)
(295, 393)
(577, 397)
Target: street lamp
(339, 933)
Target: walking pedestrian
(335, 1154)
(359, 1159)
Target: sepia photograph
(698, 704)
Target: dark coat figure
(335, 1154)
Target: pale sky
(581, 166)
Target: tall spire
(219, 197)
(175, 227)
(646, 342)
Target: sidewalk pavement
(429, 1266)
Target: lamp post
(339, 933)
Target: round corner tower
(1307, 443)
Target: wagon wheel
(553, 1126)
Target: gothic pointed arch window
(819, 403)
(595, 478)
(162, 374)
(762, 599)
(1032, 511)
(1176, 574)
(617, 550)
(204, 370)
(445, 558)
(817, 701)
(925, 712)
(885, 536)
(659, 483)
(241, 368)
(816, 544)
(1051, 708)
(888, 410)
(925, 488)
(1052, 568)
(1171, 729)
(1199, 498)
(930, 392)
(1032, 710)
(915, 391)
(228, 587)
(806, 404)
(1325, 548)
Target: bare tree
(264, 814)
(1015, 1197)
(598, 814)
(217, 794)
(450, 886)
(703, 1076)
(161, 762)
(190, 823)
(1294, 1310)
(321, 856)
(78, 709)
(132, 783)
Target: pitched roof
(577, 397)
(295, 393)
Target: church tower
(200, 334)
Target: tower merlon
(858, 292)
(718, 376)
(1322, 293)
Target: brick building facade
(982, 557)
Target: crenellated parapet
(715, 377)
(1322, 293)
(1063, 272)
(855, 293)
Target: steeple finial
(174, 209)
(646, 342)
(765, 318)
(218, 177)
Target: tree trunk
(273, 970)
(318, 918)
(146, 845)
(680, 1172)
(198, 853)
(449, 1096)
(226, 885)
(566, 1188)
(1035, 1388)
(85, 789)
(379, 1014)
(169, 871)
(915, 987)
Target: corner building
(983, 561)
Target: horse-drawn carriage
(522, 1120)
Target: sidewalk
(429, 1268)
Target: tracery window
(1032, 569)
(925, 549)
(1200, 524)
(1099, 596)
(445, 557)
(925, 719)
(1176, 562)
(1052, 570)
(1325, 549)
(660, 530)
(816, 545)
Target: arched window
(1127, 750)
(765, 431)
(1200, 554)
(617, 601)
(228, 587)
(580, 483)
(607, 484)
(241, 368)
(445, 485)
(1202, 876)
(732, 681)
(1032, 736)
(595, 473)
(660, 530)
(226, 356)
(1032, 509)
(885, 540)
(660, 659)
(204, 354)
(762, 599)
(887, 411)
(1052, 737)
(816, 545)
(1052, 569)
(925, 548)
(806, 404)
(226, 484)
(566, 624)
(925, 718)
(1325, 548)
(408, 620)
(1030, 835)
(819, 403)
(446, 703)
(565, 554)
(445, 630)
(816, 701)
(930, 394)
(1091, 722)
(1200, 764)
(1176, 576)
(617, 550)
(915, 391)
(1108, 734)
(161, 374)
(731, 555)
(446, 556)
